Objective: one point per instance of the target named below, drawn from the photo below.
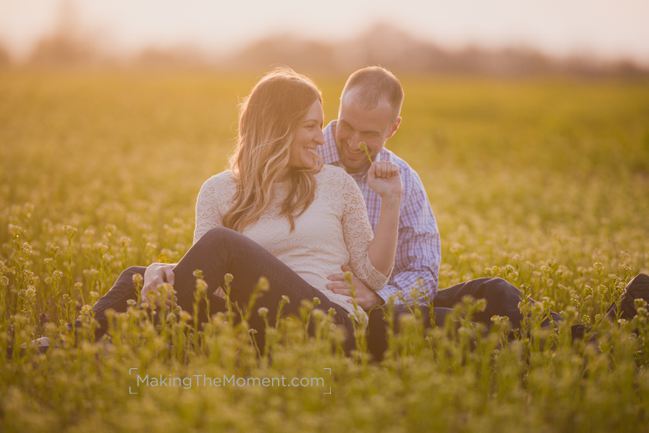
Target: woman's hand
(383, 178)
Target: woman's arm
(208, 204)
(371, 256)
(383, 177)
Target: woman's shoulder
(220, 182)
(331, 174)
(223, 178)
(336, 186)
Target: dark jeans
(222, 251)
(218, 252)
(501, 298)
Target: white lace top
(333, 231)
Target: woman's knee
(232, 245)
(219, 236)
(213, 234)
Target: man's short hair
(375, 83)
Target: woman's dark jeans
(218, 252)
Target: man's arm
(366, 297)
(157, 274)
(419, 248)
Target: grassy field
(542, 182)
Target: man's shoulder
(328, 150)
(415, 199)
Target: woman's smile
(307, 138)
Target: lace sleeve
(209, 204)
(358, 234)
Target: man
(369, 114)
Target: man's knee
(500, 289)
(132, 270)
(639, 282)
(122, 289)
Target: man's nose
(354, 142)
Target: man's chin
(355, 167)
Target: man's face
(357, 124)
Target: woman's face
(308, 136)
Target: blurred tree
(179, 56)
(67, 44)
(5, 59)
(384, 44)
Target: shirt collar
(329, 150)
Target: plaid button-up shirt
(418, 246)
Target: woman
(281, 214)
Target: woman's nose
(319, 138)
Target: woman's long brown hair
(267, 122)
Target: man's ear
(395, 127)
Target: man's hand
(156, 274)
(366, 297)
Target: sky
(608, 29)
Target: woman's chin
(314, 164)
